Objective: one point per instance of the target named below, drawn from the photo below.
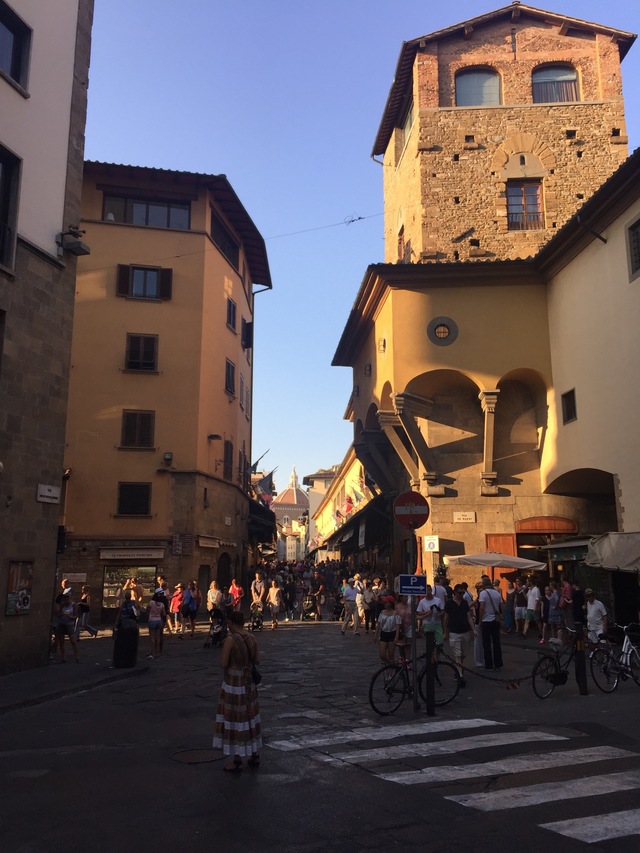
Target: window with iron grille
(554, 84)
(15, 45)
(142, 353)
(134, 499)
(137, 429)
(144, 282)
(153, 212)
(524, 205)
(230, 378)
(227, 469)
(634, 248)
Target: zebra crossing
(375, 748)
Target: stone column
(488, 401)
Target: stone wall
(446, 184)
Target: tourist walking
(237, 729)
(83, 608)
(350, 610)
(274, 600)
(490, 613)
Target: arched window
(554, 84)
(477, 87)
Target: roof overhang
(225, 197)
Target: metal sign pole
(414, 652)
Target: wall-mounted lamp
(168, 458)
(66, 474)
(367, 369)
(74, 246)
(214, 437)
(382, 344)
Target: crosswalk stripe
(532, 795)
(378, 733)
(505, 766)
(599, 827)
(443, 747)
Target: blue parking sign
(413, 585)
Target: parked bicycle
(551, 670)
(394, 681)
(608, 668)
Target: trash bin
(125, 644)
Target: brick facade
(445, 179)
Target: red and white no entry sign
(410, 509)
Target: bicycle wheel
(544, 676)
(446, 681)
(604, 671)
(634, 665)
(387, 689)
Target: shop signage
(131, 553)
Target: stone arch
(520, 422)
(386, 397)
(450, 418)
(523, 143)
(371, 420)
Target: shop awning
(615, 551)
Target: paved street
(113, 762)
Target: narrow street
(137, 753)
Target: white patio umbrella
(495, 559)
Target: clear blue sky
(284, 97)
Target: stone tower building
(496, 130)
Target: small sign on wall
(464, 517)
(48, 494)
(431, 543)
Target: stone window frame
(632, 237)
(547, 66)
(467, 71)
(137, 429)
(532, 220)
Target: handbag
(256, 675)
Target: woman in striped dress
(238, 730)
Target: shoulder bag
(256, 675)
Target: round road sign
(410, 509)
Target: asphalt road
(128, 765)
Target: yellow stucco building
(158, 442)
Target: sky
(285, 98)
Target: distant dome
(293, 497)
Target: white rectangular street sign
(413, 585)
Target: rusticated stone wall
(445, 182)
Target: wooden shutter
(123, 284)
(166, 278)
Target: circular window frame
(442, 321)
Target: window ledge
(14, 83)
(144, 372)
(120, 515)
(144, 449)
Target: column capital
(488, 400)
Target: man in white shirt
(533, 608)
(430, 612)
(490, 609)
(597, 618)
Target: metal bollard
(429, 677)
(580, 660)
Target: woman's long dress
(238, 728)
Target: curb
(72, 690)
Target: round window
(442, 331)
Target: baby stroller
(217, 628)
(256, 618)
(309, 608)
(338, 610)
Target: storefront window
(115, 578)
